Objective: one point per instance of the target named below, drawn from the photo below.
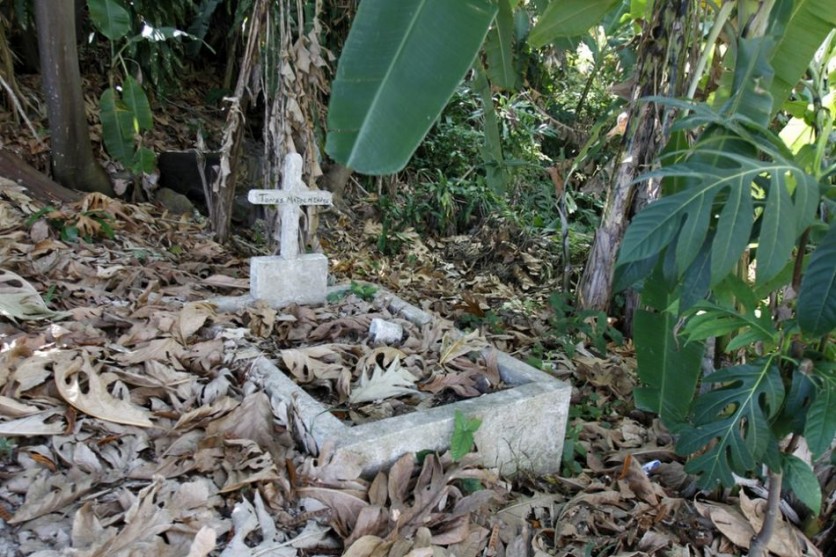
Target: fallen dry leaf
(48, 493)
(368, 546)
(20, 300)
(191, 318)
(381, 384)
(205, 541)
(454, 345)
(82, 387)
(786, 539)
(43, 423)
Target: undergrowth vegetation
(444, 190)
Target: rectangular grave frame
(523, 427)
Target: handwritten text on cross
(294, 193)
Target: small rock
(385, 332)
(175, 202)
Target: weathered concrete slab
(523, 427)
(281, 281)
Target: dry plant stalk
(220, 197)
(291, 110)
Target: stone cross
(290, 198)
(290, 277)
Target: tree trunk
(73, 164)
(39, 185)
(595, 289)
(335, 180)
(660, 68)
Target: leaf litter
(130, 427)
(329, 352)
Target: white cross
(290, 198)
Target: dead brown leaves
(416, 510)
(129, 414)
(329, 351)
(137, 432)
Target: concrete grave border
(523, 427)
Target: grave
(523, 427)
(289, 277)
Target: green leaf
(106, 228)
(687, 216)
(801, 481)
(492, 146)
(752, 77)
(399, 67)
(117, 126)
(713, 320)
(697, 280)
(463, 430)
(144, 161)
(804, 30)
(733, 229)
(820, 427)
(499, 49)
(817, 296)
(732, 422)
(133, 95)
(793, 415)
(522, 24)
(773, 248)
(657, 292)
(200, 22)
(674, 152)
(735, 290)
(199, 25)
(668, 369)
(630, 274)
(641, 9)
(734, 151)
(110, 17)
(69, 234)
(568, 18)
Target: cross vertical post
(291, 176)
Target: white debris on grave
(385, 332)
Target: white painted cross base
(281, 282)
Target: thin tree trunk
(660, 62)
(760, 542)
(73, 164)
(595, 288)
(221, 194)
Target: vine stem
(760, 541)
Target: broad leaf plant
(125, 110)
(741, 248)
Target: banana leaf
(400, 65)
